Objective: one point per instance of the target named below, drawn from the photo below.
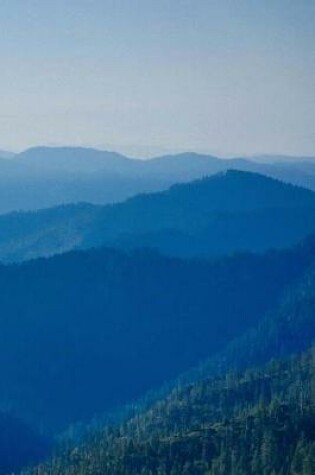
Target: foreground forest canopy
(258, 422)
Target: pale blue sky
(227, 77)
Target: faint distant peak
(77, 159)
(186, 156)
(6, 155)
(270, 158)
(67, 151)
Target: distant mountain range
(45, 177)
(229, 212)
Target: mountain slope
(20, 446)
(289, 328)
(260, 422)
(82, 332)
(217, 215)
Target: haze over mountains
(44, 177)
(225, 213)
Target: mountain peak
(74, 159)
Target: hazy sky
(224, 76)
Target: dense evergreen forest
(109, 326)
(260, 422)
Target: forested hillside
(87, 331)
(259, 422)
(234, 211)
(287, 329)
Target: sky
(229, 77)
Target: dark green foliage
(261, 422)
(210, 217)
